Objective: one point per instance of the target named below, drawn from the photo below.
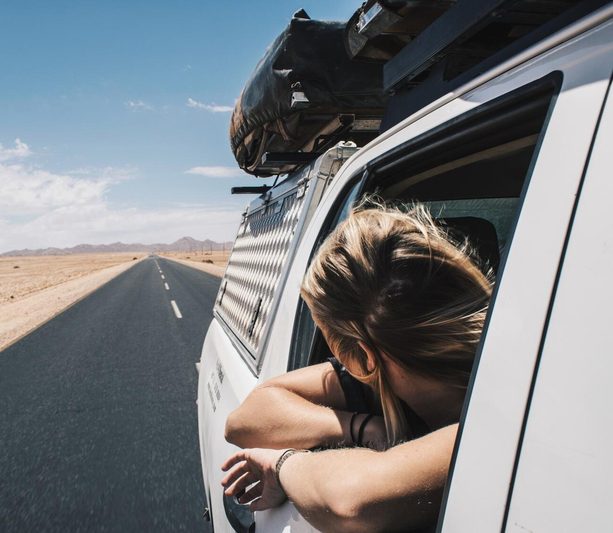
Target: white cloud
(28, 191)
(217, 172)
(39, 209)
(138, 106)
(213, 108)
(20, 151)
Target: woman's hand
(251, 466)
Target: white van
(526, 146)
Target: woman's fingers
(231, 461)
(253, 493)
(255, 468)
(235, 473)
(247, 479)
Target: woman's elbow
(235, 431)
(347, 510)
(356, 509)
(246, 424)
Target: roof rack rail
(275, 162)
(468, 39)
(458, 24)
(260, 189)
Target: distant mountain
(184, 244)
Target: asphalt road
(98, 422)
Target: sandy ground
(44, 286)
(213, 263)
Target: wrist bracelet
(284, 457)
(362, 426)
(353, 441)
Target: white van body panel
(489, 443)
(283, 519)
(224, 384)
(571, 420)
(228, 374)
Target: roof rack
(276, 162)
(469, 38)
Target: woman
(401, 306)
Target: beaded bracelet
(284, 457)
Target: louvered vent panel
(254, 269)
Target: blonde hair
(398, 283)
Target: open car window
(471, 173)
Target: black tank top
(361, 399)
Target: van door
(492, 426)
(563, 477)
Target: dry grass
(213, 263)
(37, 273)
(219, 258)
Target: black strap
(362, 426)
(351, 428)
(354, 391)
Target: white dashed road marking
(167, 287)
(176, 309)
(163, 276)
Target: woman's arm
(301, 409)
(354, 490)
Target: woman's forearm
(272, 417)
(362, 490)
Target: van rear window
(255, 266)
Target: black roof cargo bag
(304, 95)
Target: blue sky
(115, 116)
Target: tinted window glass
(304, 333)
